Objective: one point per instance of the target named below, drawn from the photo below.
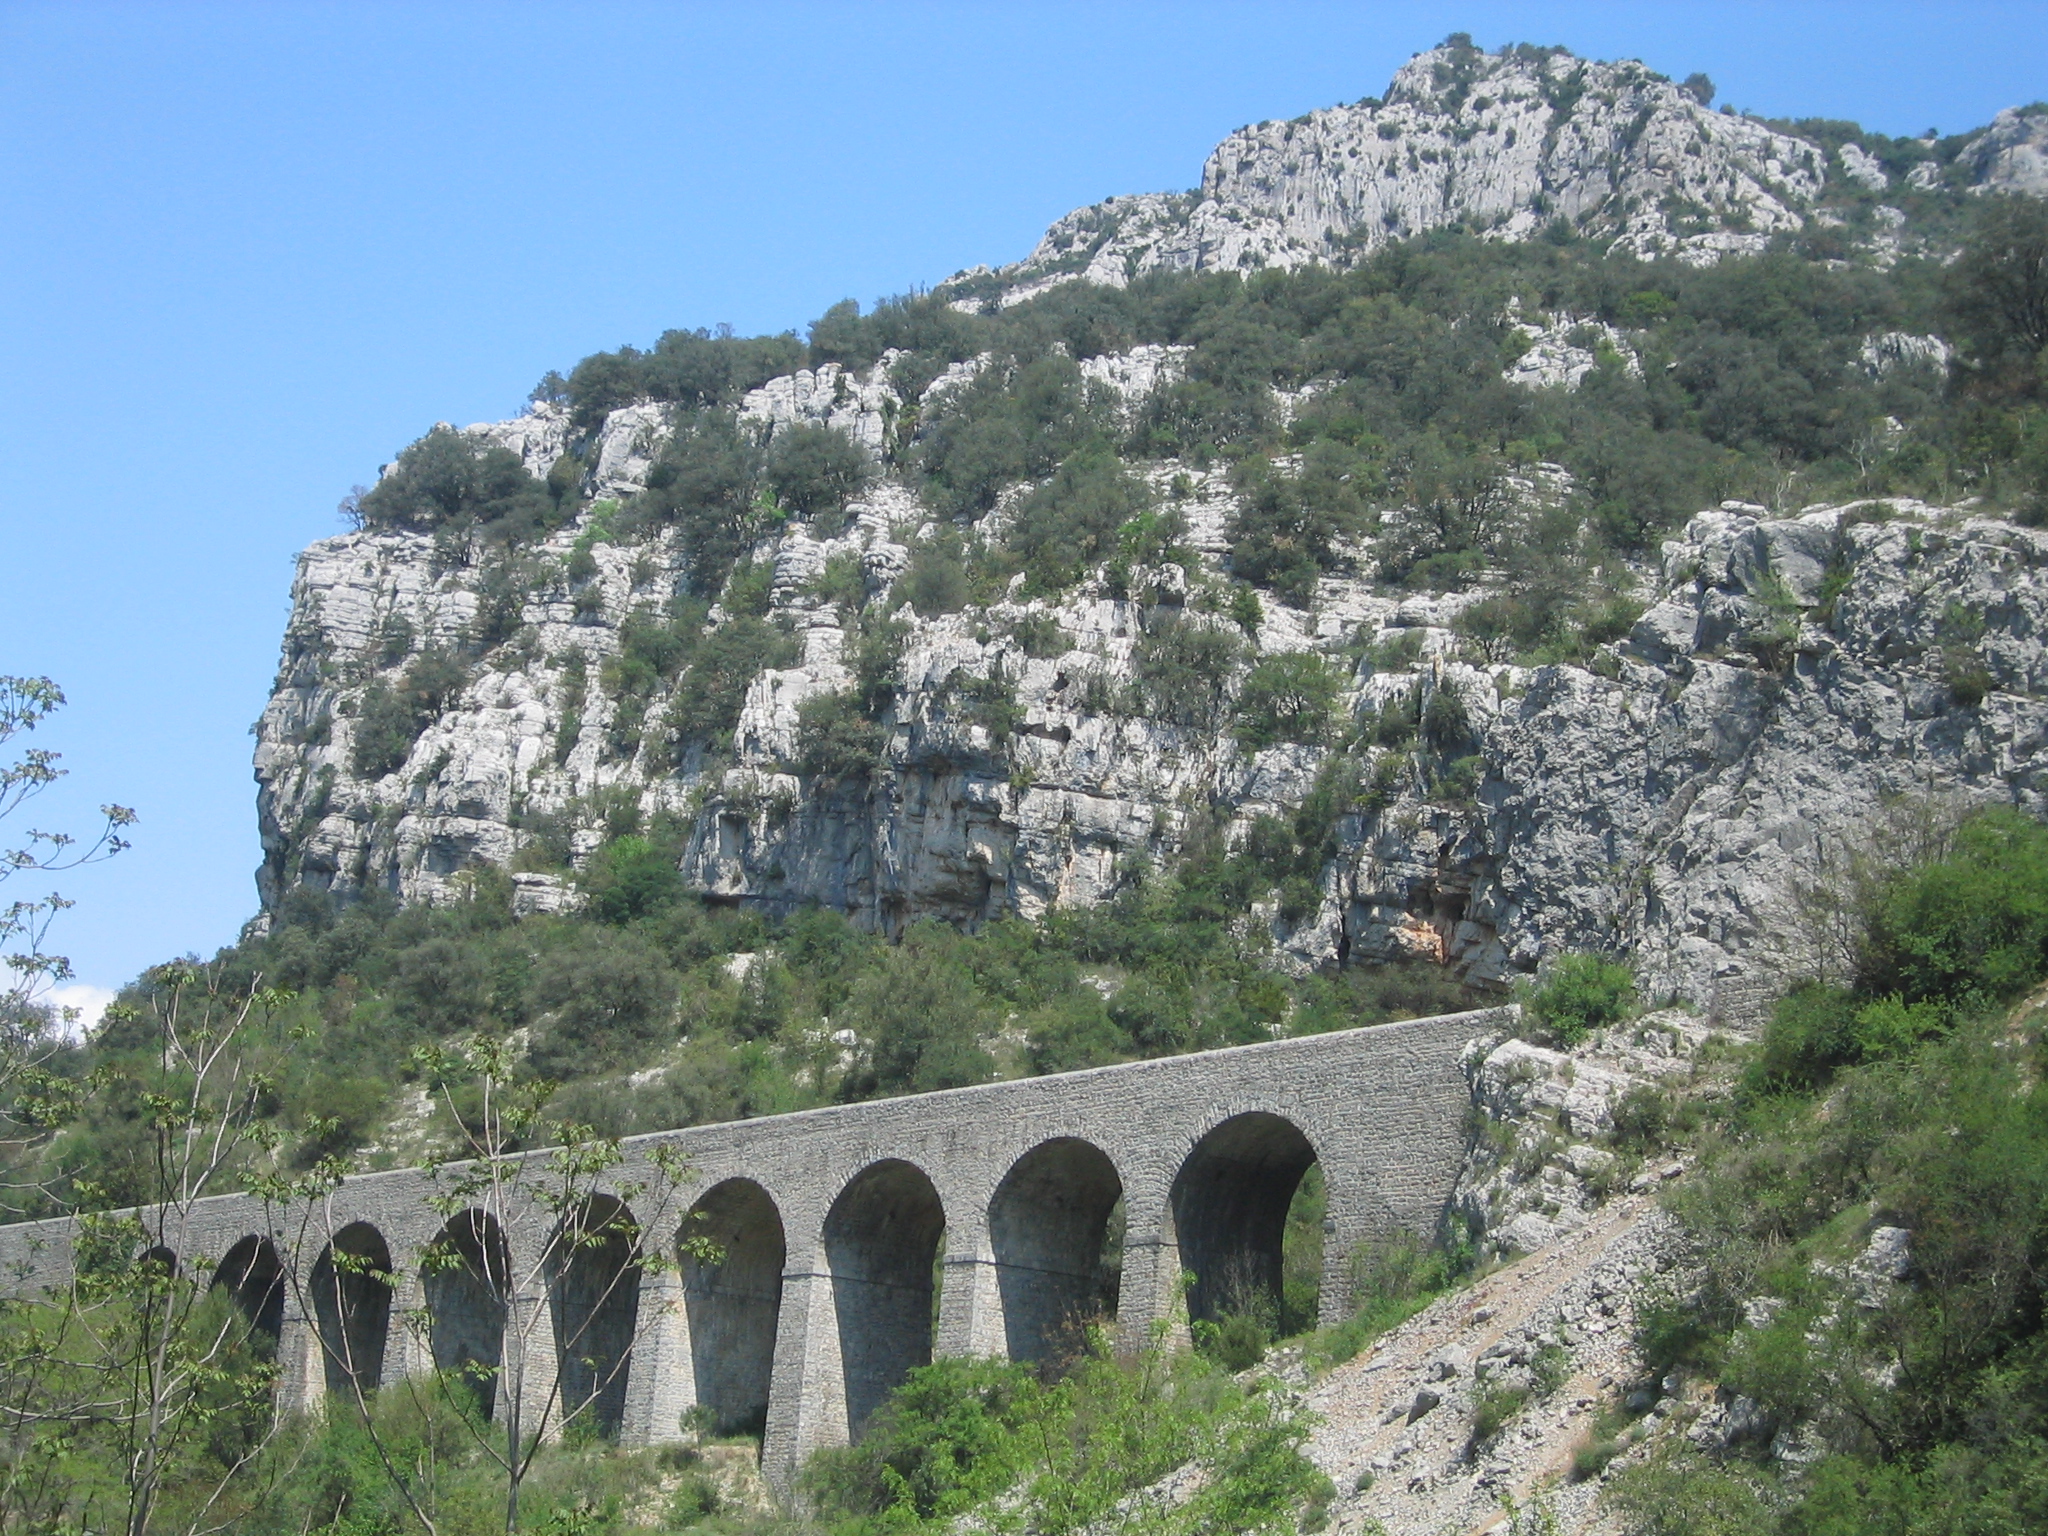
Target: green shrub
(1492, 1406)
(1040, 636)
(837, 740)
(1391, 1281)
(391, 715)
(1071, 522)
(1581, 994)
(816, 471)
(1971, 929)
(1289, 527)
(449, 480)
(1287, 697)
(610, 997)
(1066, 1455)
(708, 699)
(630, 877)
(1183, 669)
(935, 582)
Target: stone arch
(882, 1240)
(1046, 1224)
(466, 1282)
(352, 1308)
(253, 1276)
(594, 1299)
(160, 1258)
(1229, 1209)
(734, 1304)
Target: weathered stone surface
(2012, 154)
(1498, 142)
(1787, 675)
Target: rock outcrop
(1507, 145)
(1785, 676)
(444, 703)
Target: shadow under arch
(352, 1308)
(594, 1300)
(1229, 1205)
(253, 1276)
(466, 1278)
(163, 1261)
(1046, 1225)
(733, 1305)
(881, 1246)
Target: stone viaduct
(858, 1241)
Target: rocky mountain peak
(1510, 145)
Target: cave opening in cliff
(733, 1303)
(1244, 1191)
(1050, 1232)
(882, 1240)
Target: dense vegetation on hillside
(1908, 1094)
(1749, 375)
(1906, 1091)
(645, 983)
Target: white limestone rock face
(539, 436)
(1863, 168)
(1887, 352)
(2012, 154)
(627, 446)
(862, 405)
(1787, 675)
(1563, 349)
(1501, 143)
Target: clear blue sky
(249, 251)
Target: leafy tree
(838, 742)
(817, 470)
(25, 703)
(922, 1017)
(450, 480)
(1184, 669)
(1071, 522)
(706, 484)
(391, 715)
(708, 699)
(1998, 292)
(135, 1395)
(610, 996)
(1286, 697)
(515, 1219)
(631, 877)
(1013, 421)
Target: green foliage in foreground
(1058, 1456)
(1924, 1405)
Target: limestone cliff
(446, 702)
(1506, 145)
(1785, 676)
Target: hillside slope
(989, 601)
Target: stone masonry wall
(1383, 1109)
